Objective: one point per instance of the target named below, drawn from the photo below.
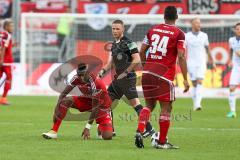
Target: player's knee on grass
(107, 135)
(106, 129)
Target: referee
(125, 58)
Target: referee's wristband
(88, 126)
(104, 71)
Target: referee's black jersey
(122, 53)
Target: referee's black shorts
(125, 86)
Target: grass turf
(205, 134)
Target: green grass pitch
(203, 135)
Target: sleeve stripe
(7, 41)
(72, 80)
(145, 40)
(93, 86)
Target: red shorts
(103, 118)
(157, 88)
(7, 70)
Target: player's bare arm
(183, 65)
(135, 62)
(92, 117)
(143, 52)
(65, 92)
(238, 53)
(106, 68)
(210, 58)
(230, 58)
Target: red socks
(59, 115)
(56, 125)
(7, 87)
(143, 119)
(164, 123)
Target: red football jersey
(6, 41)
(163, 41)
(94, 89)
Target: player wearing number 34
(165, 43)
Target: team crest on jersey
(119, 56)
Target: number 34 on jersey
(158, 45)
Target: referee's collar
(122, 38)
(196, 33)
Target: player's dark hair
(118, 21)
(170, 13)
(6, 23)
(82, 68)
(238, 24)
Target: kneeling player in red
(95, 99)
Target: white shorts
(235, 76)
(197, 72)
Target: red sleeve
(101, 90)
(99, 95)
(181, 40)
(73, 82)
(100, 87)
(6, 38)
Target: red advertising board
(47, 6)
(184, 7)
(140, 7)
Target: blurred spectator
(63, 32)
(5, 8)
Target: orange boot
(4, 101)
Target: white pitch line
(17, 123)
(207, 129)
(175, 128)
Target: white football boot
(50, 135)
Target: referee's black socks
(138, 109)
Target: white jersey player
(197, 49)
(234, 44)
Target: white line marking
(207, 129)
(17, 123)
